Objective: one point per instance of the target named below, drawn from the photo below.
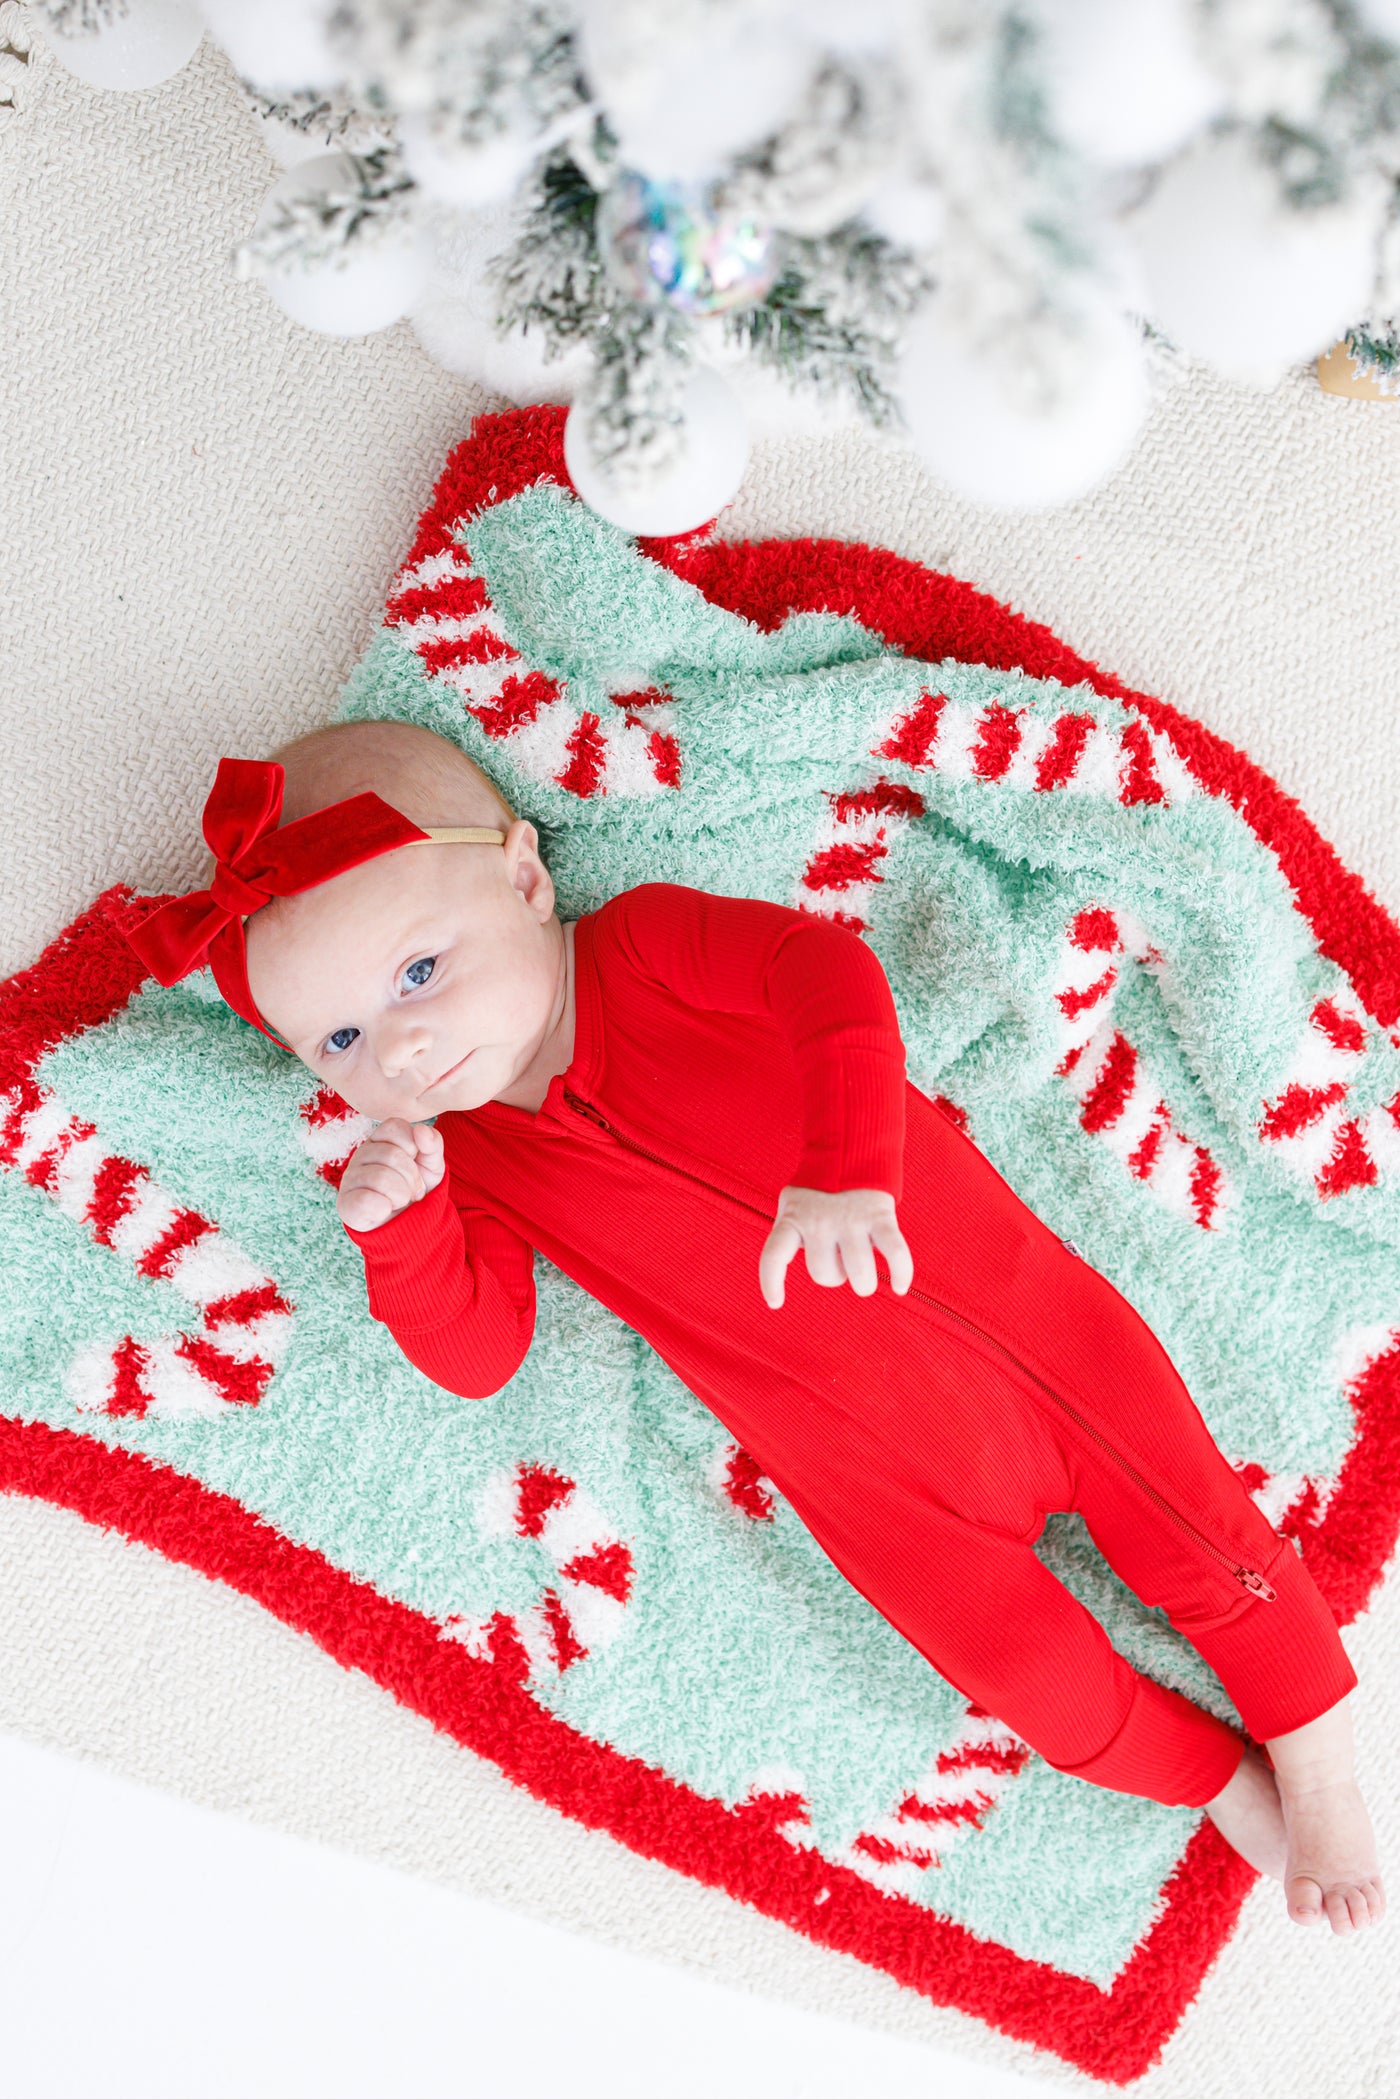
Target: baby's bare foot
(1332, 1870)
(1249, 1816)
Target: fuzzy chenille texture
(1097, 962)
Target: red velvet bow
(256, 861)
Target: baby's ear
(526, 870)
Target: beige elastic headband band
(465, 834)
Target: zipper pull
(586, 1109)
(1249, 1578)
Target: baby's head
(426, 978)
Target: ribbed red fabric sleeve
(826, 991)
(456, 1289)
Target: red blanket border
(88, 973)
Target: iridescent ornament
(681, 242)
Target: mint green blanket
(1094, 959)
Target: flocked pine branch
(817, 171)
(80, 17)
(1319, 85)
(555, 281)
(1375, 347)
(631, 403)
(16, 41)
(832, 322)
(477, 68)
(551, 278)
(319, 227)
(331, 118)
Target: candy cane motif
(330, 1130)
(1119, 1100)
(1289, 1500)
(1296, 1502)
(735, 1476)
(585, 1608)
(442, 612)
(1018, 747)
(956, 1795)
(1308, 1122)
(844, 867)
(229, 1358)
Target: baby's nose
(404, 1047)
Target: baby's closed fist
(400, 1164)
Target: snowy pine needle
(833, 320)
(321, 226)
(80, 17)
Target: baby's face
(424, 980)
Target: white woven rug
(200, 506)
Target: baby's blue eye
(424, 963)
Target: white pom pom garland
(706, 476)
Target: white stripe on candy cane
(584, 1606)
(229, 1357)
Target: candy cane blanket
(1119, 952)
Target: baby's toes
(1338, 1910)
(1304, 1900)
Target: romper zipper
(1248, 1577)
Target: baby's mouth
(451, 1071)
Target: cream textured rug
(200, 506)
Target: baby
(673, 1097)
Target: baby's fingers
(432, 1162)
(778, 1249)
(363, 1209)
(396, 1130)
(891, 1242)
(858, 1260)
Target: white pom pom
(467, 176)
(998, 451)
(912, 214)
(1383, 16)
(1124, 85)
(876, 25)
(147, 44)
(1240, 280)
(368, 285)
(280, 45)
(772, 408)
(704, 479)
(455, 318)
(460, 335)
(686, 91)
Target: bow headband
(255, 860)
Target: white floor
(150, 1947)
(200, 509)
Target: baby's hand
(841, 1235)
(400, 1164)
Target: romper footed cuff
(1167, 1749)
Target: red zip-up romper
(723, 1050)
